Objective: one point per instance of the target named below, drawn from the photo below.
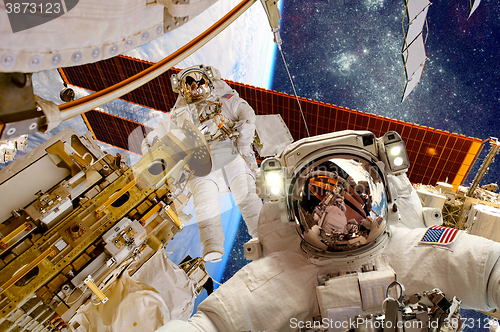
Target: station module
(75, 218)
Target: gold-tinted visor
(339, 203)
(195, 87)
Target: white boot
(207, 209)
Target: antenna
(294, 91)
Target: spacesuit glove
(145, 146)
(147, 143)
(248, 155)
(252, 163)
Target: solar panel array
(434, 155)
(97, 76)
(116, 131)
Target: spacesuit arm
(408, 203)
(237, 109)
(493, 287)
(247, 132)
(199, 322)
(468, 268)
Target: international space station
(77, 223)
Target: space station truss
(435, 155)
(413, 51)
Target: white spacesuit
(156, 294)
(308, 274)
(228, 124)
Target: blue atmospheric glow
(230, 221)
(272, 56)
(187, 242)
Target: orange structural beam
(89, 126)
(99, 98)
(467, 163)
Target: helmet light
(273, 180)
(393, 153)
(398, 161)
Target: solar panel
(413, 51)
(417, 13)
(116, 131)
(97, 76)
(474, 7)
(435, 155)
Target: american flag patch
(228, 95)
(439, 235)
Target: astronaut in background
(331, 245)
(228, 123)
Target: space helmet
(334, 188)
(194, 83)
(339, 204)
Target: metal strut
(273, 15)
(495, 147)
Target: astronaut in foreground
(228, 123)
(333, 247)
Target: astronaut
(331, 245)
(228, 124)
